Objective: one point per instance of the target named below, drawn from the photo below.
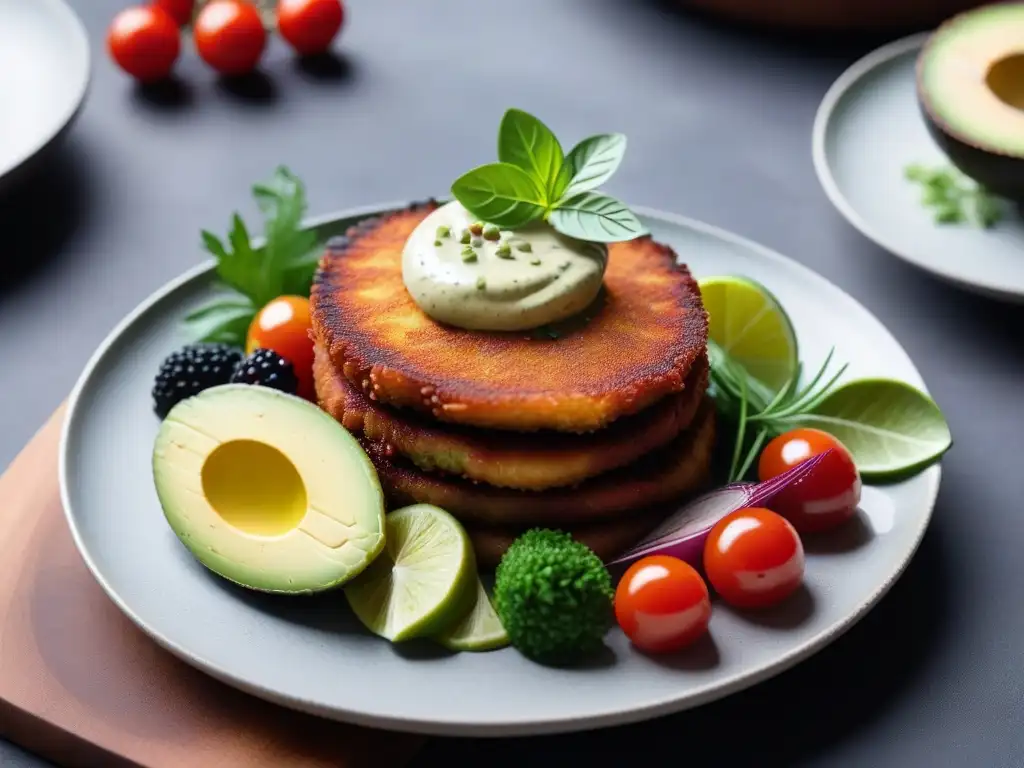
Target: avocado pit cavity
(1005, 78)
(254, 487)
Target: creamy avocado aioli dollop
(465, 273)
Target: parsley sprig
(283, 264)
(953, 198)
(753, 407)
(535, 180)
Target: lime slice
(479, 630)
(422, 582)
(748, 323)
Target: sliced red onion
(683, 534)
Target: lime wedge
(479, 630)
(422, 582)
(748, 323)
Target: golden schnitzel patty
(679, 468)
(606, 538)
(632, 347)
(531, 461)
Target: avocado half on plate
(267, 490)
(970, 84)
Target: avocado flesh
(267, 490)
(971, 91)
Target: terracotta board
(80, 685)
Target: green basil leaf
(891, 428)
(592, 162)
(524, 141)
(225, 321)
(597, 218)
(231, 331)
(500, 193)
(298, 277)
(219, 307)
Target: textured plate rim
(839, 89)
(75, 105)
(525, 726)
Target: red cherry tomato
(144, 42)
(179, 10)
(662, 604)
(826, 497)
(754, 558)
(283, 325)
(309, 26)
(230, 36)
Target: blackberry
(266, 368)
(190, 370)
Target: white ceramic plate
(44, 76)
(867, 130)
(312, 655)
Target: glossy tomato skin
(179, 10)
(229, 36)
(144, 42)
(309, 26)
(283, 326)
(662, 604)
(754, 558)
(825, 498)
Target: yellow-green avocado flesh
(970, 81)
(267, 490)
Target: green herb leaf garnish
(533, 180)
(595, 217)
(524, 141)
(501, 193)
(593, 161)
(890, 428)
(954, 198)
(283, 265)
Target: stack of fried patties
(600, 427)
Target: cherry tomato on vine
(144, 42)
(309, 26)
(179, 10)
(662, 604)
(283, 326)
(825, 498)
(229, 36)
(754, 558)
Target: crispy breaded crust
(607, 539)
(508, 459)
(680, 468)
(644, 334)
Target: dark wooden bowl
(837, 15)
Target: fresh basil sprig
(534, 179)
(283, 265)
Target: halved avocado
(267, 490)
(970, 83)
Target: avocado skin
(1000, 174)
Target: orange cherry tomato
(662, 604)
(825, 498)
(144, 42)
(754, 558)
(179, 10)
(283, 326)
(309, 26)
(230, 36)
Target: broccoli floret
(553, 596)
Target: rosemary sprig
(749, 402)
